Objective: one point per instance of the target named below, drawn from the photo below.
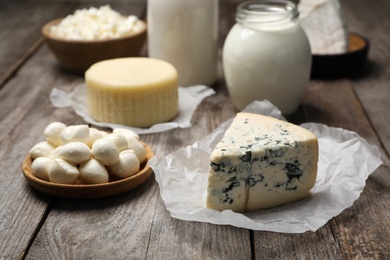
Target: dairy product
(95, 24)
(75, 133)
(53, 133)
(138, 92)
(75, 152)
(126, 133)
(185, 34)
(138, 148)
(93, 162)
(92, 171)
(127, 165)
(325, 26)
(94, 134)
(55, 153)
(41, 149)
(119, 140)
(105, 151)
(267, 55)
(61, 171)
(261, 162)
(40, 167)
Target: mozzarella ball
(126, 133)
(127, 165)
(92, 171)
(41, 149)
(52, 133)
(138, 148)
(94, 135)
(75, 152)
(55, 153)
(75, 133)
(40, 167)
(63, 172)
(105, 151)
(104, 134)
(119, 140)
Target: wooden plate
(88, 191)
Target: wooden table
(136, 225)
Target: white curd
(96, 24)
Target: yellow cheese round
(137, 92)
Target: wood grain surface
(136, 224)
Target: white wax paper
(189, 99)
(345, 162)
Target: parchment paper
(189, 99)
(345, 162)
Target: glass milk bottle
(266, 55)
(185, 34)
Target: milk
(185, 34)
(263, 61)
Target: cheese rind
(261, 162)
(138, 92)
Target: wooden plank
(373, 87)
(335, 103)
(146, 226)
(269, 245)
(20, 25)
(358, 232)
(68, 228)
(22, 212)
(337, 99)
(51, 70)
(24, 35)
(136, 224)
(176, 239)
(110, 228)
(310, 245)
(365, 227)
(25, 111)
(362, 230)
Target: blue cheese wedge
(261, 162)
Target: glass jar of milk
(266, 55)
(185, 34)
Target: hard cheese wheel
(137, 92)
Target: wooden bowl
(77, 56)
(351, 63)
(89, 191)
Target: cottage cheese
(96, 24)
